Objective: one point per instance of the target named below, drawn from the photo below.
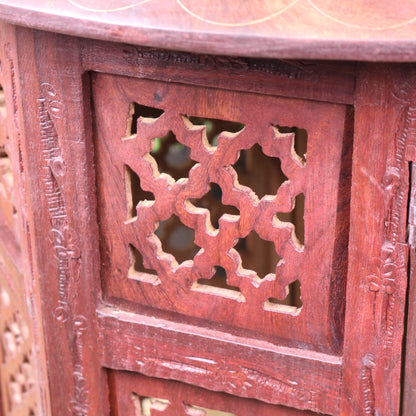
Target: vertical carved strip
(20, 227)
(385, 122)
(60, 235)
(53, 172)
(409, 397)
(66, 211)
(367, 385)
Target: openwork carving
(216, 198)
(223, 161)
(17, 386)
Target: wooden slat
(15, 249)
(409, 353)
(53, 148)
(219, 361)
(131, 391)
(377, 275)
(321, 81)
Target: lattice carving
(224, 203)
(215, 165)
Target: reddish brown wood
(321, 81)
(246, 307)
(377, 277)
(285, 29)
(56, 266)
(409, 367)
(220, 362)
(312, 321)
(17, 370)
(137, 394)
(22, 361)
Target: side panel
(25, 390)
(377, 276)
(56, 160)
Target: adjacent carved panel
(7, 193)
(17, 380)
(210, 207)
(16, 367)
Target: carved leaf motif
(382, 280)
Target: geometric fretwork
(265, 163)
(213, 208)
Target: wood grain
(219, 361)
(177, 291)
(283, 29)
(118, 329)
(132, 391)
(377, 276)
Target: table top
(369, 30)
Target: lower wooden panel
(138, 395)
(219, 361)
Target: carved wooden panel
(7, 193)
(17, 381)
(16, 366)
(138, 395)
(212, 205)
(219, 256)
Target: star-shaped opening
(134, 192)
(177, 239)
(217, 285)
(258, 255)
(291, 304)
(300, 143)
(261, 173)
(296, 217)
(212, 201)
(137, 271)
(172, 157)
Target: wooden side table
(212, 207)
